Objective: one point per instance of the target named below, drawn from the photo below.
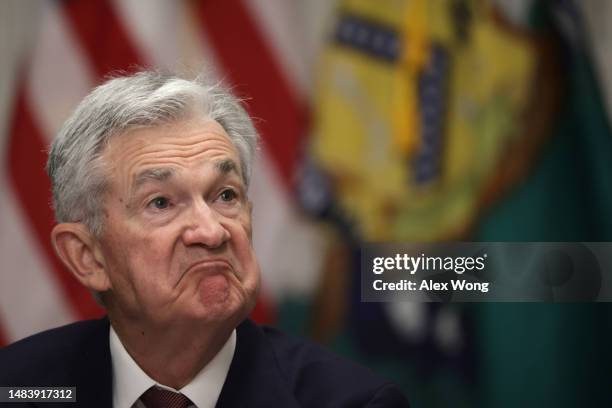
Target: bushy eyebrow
(226, 166)
(155, 174)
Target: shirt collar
(129, 381)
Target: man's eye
(228, 195)
(160, 203)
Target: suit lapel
(254, 378)
(95, 374)
(91, 371)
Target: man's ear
(80, 252)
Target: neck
(173, 354)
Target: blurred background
(382, 121)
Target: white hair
(145, 99)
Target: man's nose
(204, 227)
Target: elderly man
(150, 178)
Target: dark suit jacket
(269, 369)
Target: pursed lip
(209, 263)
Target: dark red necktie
(156, 397)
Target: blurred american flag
(256, 46)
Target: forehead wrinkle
(142, 150)
(171, 151)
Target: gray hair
(145, 99)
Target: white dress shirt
(129, 381)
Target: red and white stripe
(253, 44)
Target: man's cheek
(245, 223)
(240, 243)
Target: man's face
(177, 226)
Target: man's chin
(220, 301)
(214, 289)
